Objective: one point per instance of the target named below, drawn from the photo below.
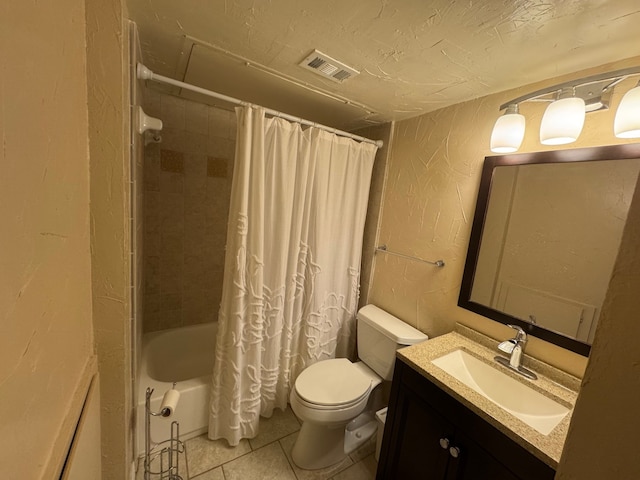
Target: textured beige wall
(187, 188)
(432, 183)
(45, 299)
(108, 81)
(604, 434)
(372, 223)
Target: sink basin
(532, 407)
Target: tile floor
(267, 457)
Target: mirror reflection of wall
(550, 240)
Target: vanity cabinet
(430, 435)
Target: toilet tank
(379, 335)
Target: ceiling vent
(328, 67)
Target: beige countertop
(554, 383)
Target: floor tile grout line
(281, 446)
(221, 465)
(293, 470)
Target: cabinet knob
(454, 452)
(444, 443)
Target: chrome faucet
(515, 348)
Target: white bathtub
(183, 355)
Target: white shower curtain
(290, 294)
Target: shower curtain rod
(144, 73)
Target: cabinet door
(474, 463)
(415, 451)
(420, 414)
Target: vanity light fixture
(508, 132)
(627, 122)
(564, 118)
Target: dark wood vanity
(431, 435)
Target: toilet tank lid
(400, 332)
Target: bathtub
(183, 355)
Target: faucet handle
(521, 335)
(507, 346)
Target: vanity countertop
(556, 384)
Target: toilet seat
(330, 384)
(330, 408)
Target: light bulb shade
(627, 122)
(562, 121)
(508, 133)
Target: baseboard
(60, 449)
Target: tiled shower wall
(187, 187)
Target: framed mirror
(545, 237)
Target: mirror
(545, 237)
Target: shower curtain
(294, 244)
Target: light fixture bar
(616, 76)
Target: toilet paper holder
(166, 454)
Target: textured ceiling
(414, 56)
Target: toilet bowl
(326, 397)
(333, 398)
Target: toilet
(331, 397)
